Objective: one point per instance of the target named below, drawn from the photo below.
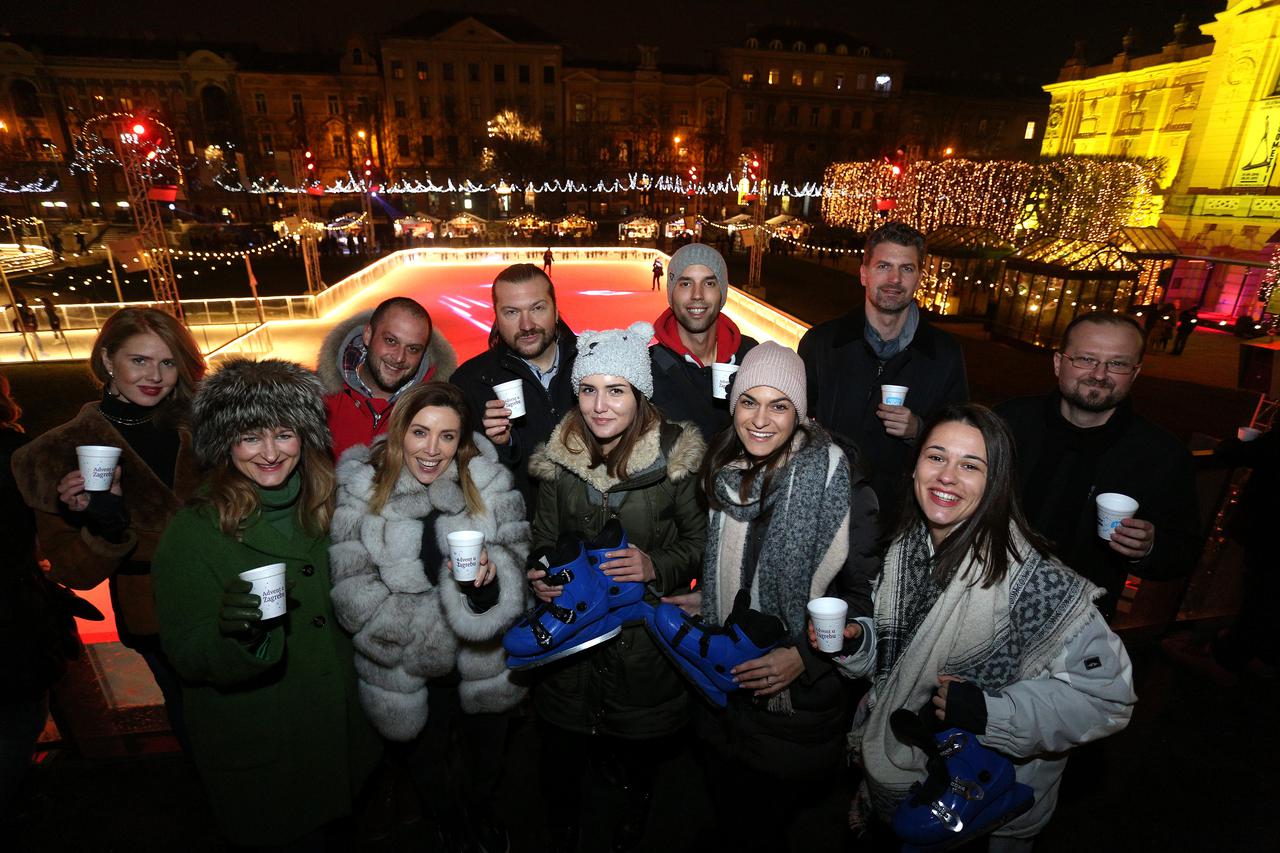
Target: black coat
(543, 408)
(844, 378)
(1062, 468)
(682, 389)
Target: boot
(707, 654)
(969, 791)
(574, 621)
(613, 538)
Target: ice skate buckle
(949, 819)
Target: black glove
(240, 617)
(966, 707)
(106, 516)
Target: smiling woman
(277, 696)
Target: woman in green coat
(275, 725)
(615, 457)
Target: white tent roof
(737, 220)
(780, 219)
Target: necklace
(119, 421)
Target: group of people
(961, 540)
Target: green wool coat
(626, 687)
(278, 737)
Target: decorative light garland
(40, 185)
(779, 235)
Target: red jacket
(354, 417)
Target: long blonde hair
(387, 456)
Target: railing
(763, 321)
(29, 257)
(198, 312)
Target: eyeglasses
(1090, 364)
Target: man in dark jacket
(1084, 439)
(694, 334)
(528, 342)
(886, 342)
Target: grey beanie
(247, 396)
(698, 253)
(776, 366)
(616, 352)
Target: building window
(682, 118)
(774, 76)
(579, 112)
(296, 98)
(549, 112)
(797, 77)
(335, 108)
(748, 77)
(357, 56)
(840, 82)
(1030, 131)
(749, 113)
(448, 73)
(338, 146)
(770, 115)
(473, 72)
(266, 144)
(855, 120)
(862, 82)
(835, 118)
(423, 73)
(397, 69)
(549, 74)
(712, 113)
(401, 111)
(260, 103)
(475, 109)
(793, 116)
(450, 108)
(451, 147)
(815, 116)
(878, 121)
(817, 79)
(522, 74)
(884, 83)
(424, 108)
(499, 73)
(402, 146)
(428, 147)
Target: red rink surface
(590, 295)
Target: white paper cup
(97, 465)
(1247, 433)
(512, 396)
(1113, 507)
(721, 379)
(269, 585)
(893, 395)
(464, 550)
(828, 615)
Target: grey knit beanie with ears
(616, 352)
(247, 396)
(698, 253)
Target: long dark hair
(577, 436)
(986, 534)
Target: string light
(39, 185)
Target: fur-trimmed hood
(440, 353)
(682, 461)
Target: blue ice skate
(969, 791)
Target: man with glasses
(1084, 439)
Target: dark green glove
(240, 617)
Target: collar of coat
(440, 353)
(409, 499)
(849, 330)
(682, 461)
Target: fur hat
(698, 253)
(616, 352)
(777, 367)
(247, 396)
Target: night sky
(1026, 37)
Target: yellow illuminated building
(1212, 111)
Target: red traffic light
(307, 155)
(140, 129)
(755, 164)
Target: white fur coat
(406, 630)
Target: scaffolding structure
(137, 156)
